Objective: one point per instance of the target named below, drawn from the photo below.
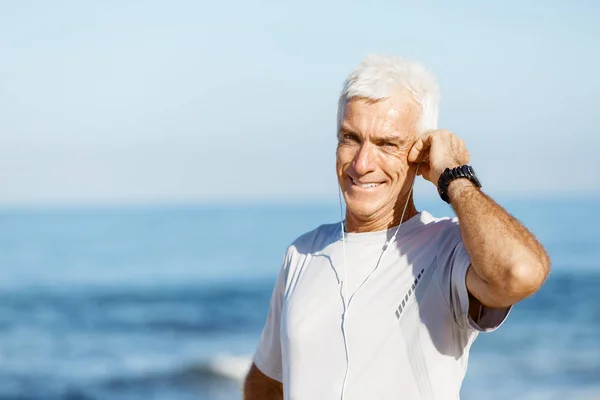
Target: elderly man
(387, 303)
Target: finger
(416, 152)
(424, 170)
(421, 146)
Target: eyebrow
(346, 130)
(390, 138)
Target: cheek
(397, 168)
(344, 156)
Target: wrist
(459, 186)
(459, 178)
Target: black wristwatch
(449, 175)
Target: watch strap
(451, 174)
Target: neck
(389, 220)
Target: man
(387, 304)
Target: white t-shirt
(408, 329)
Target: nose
(364, 161)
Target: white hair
(378, 77)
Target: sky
(192, 101)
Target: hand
(437, 150)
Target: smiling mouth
(365, 185)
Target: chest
(366, 289)
(389, 330)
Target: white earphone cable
(344, 281)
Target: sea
(168, 302)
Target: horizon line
(236, 202)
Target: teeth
(365, 185)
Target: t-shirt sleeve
(267, 357)
(453, 264)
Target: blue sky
(147, 101)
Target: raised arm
(258, 386)
(507, 262)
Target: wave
(222, 374)
(230, 367)
(222, 368)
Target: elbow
(516, 281)
(526, 278)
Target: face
(371, 159)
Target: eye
(389, 145)
(350, 137)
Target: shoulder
(445, 230)
(316, 240)
(449, 247)
(444, 224)
(309, 243)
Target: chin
(363, 208)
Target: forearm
(504, 254)
(258, 386)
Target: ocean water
(168, 303)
